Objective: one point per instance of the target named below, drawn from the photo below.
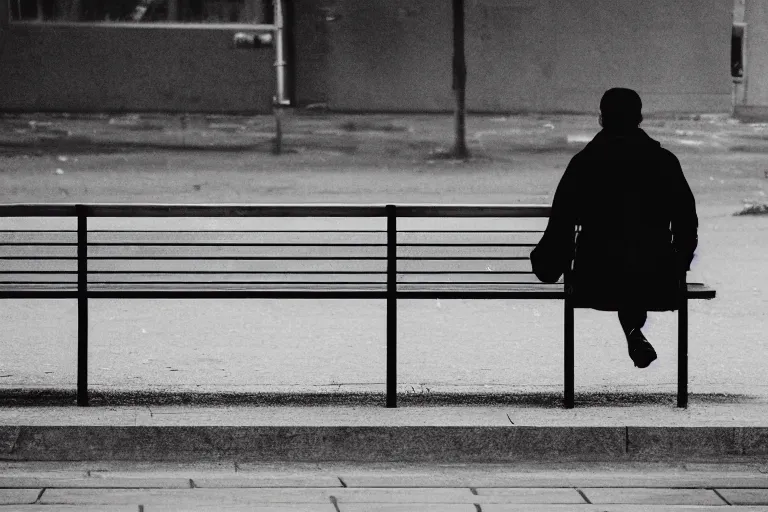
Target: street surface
(391, 487)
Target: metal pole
(82, 306)
(279, 101)
(682, 345)
(391, 306)
(459, 80)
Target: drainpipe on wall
(280, 99)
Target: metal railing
(389, 287)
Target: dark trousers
(632, 319)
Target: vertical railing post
(568, 352)
(82, 305)
(682, 344)
(391, 212)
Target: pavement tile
(185, 497)
(745, 496)
(404, 495)
(94, 482)
(528, 495)
(314, 507)
(125, 467)
(75, 508)
(501, 478)
(267, 480)
(18, 496)
(617, 508)
(653, 496)
(405, 507)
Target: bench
(118, 260)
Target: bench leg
(682, 352)
(82, 306)
(391, 352)
(82, 351)
(391, 306)
(568, 356)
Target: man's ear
(640, 120)
(600, 120)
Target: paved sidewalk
(112, 486)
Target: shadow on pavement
(67, 397)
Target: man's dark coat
(638, 225)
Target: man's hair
(621, 108)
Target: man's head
(620, 109)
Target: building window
(193, 11)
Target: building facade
(381, 55)
(751, 99)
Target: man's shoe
(641, 352)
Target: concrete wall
(393, 55)
(756, 18)
(523, 55)
(90, 68)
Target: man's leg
(641, 352)
(632, 319)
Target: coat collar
(636, 136)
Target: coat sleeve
(685, 222)
(554, 252)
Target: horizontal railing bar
(466, 245)
(457, 210)
(191, 283)
(287, 272)
(459, 283)
(472, 231)
(236, 258)
(2, 272)
(224, 244)
(74, 282)
(244, 244)
(38, 257)
(149, 231)
(238, 294)
(462, 258)
(486, 272)
(37, 210)
(58, 244)
(232, 210)
(271, 210)
(498, 294)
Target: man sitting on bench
(637, 218)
